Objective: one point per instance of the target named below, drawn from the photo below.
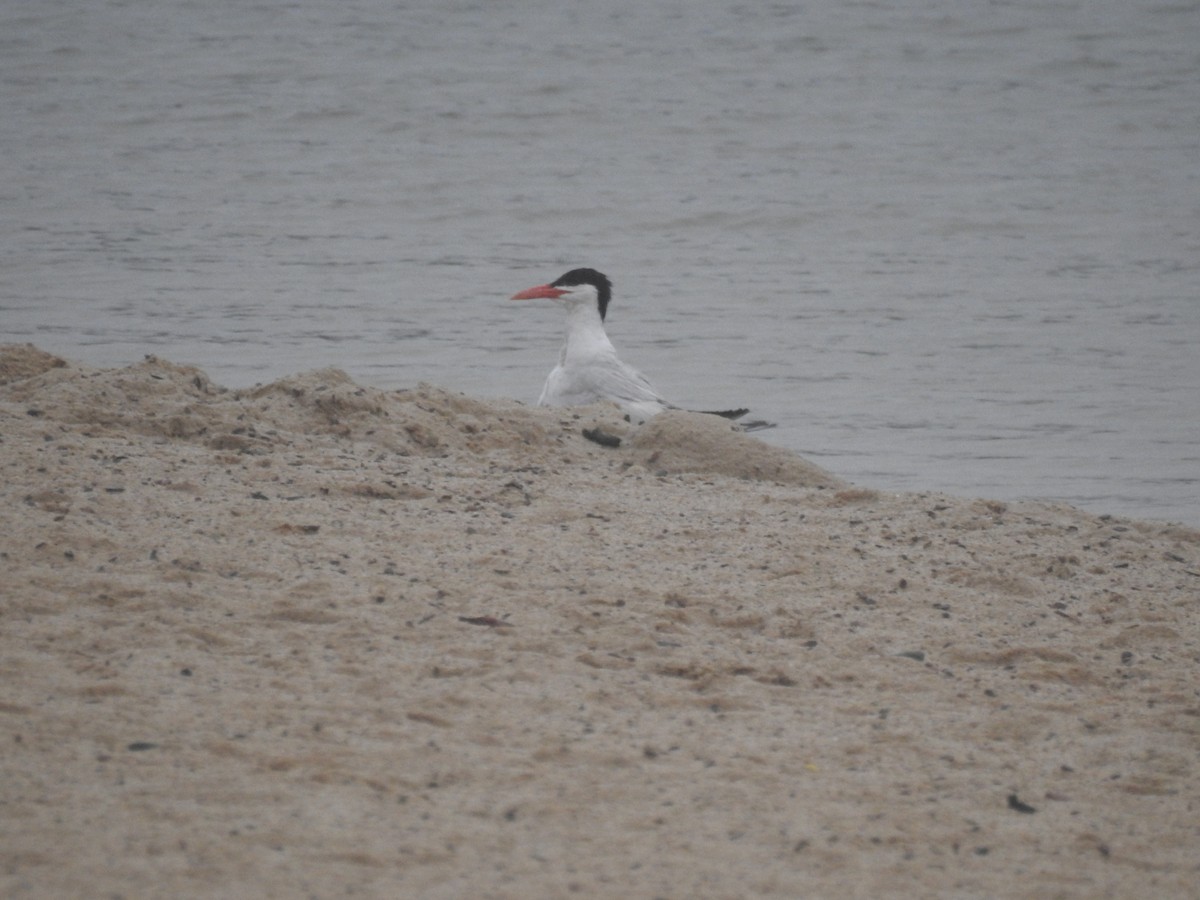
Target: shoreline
(317, 637)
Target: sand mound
(693, 442)
(157, 398)
(315, 638)
(19, 361)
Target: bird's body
(588, 369)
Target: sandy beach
(315, 639)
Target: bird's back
(601, 377)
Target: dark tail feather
(753, 425)
(756, 425)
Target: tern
(588, 369)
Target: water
(945, 246)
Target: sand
(317, 639)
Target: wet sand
(317, 639)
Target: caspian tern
(588, 369)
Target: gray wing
(604, 379)
(614, 380)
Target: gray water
(945, 245)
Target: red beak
(541, 292)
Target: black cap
(598, 280)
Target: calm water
(944, 245)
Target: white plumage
(588, 369)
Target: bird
(588, 369)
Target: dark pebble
(603, 438)
(1014, 803)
